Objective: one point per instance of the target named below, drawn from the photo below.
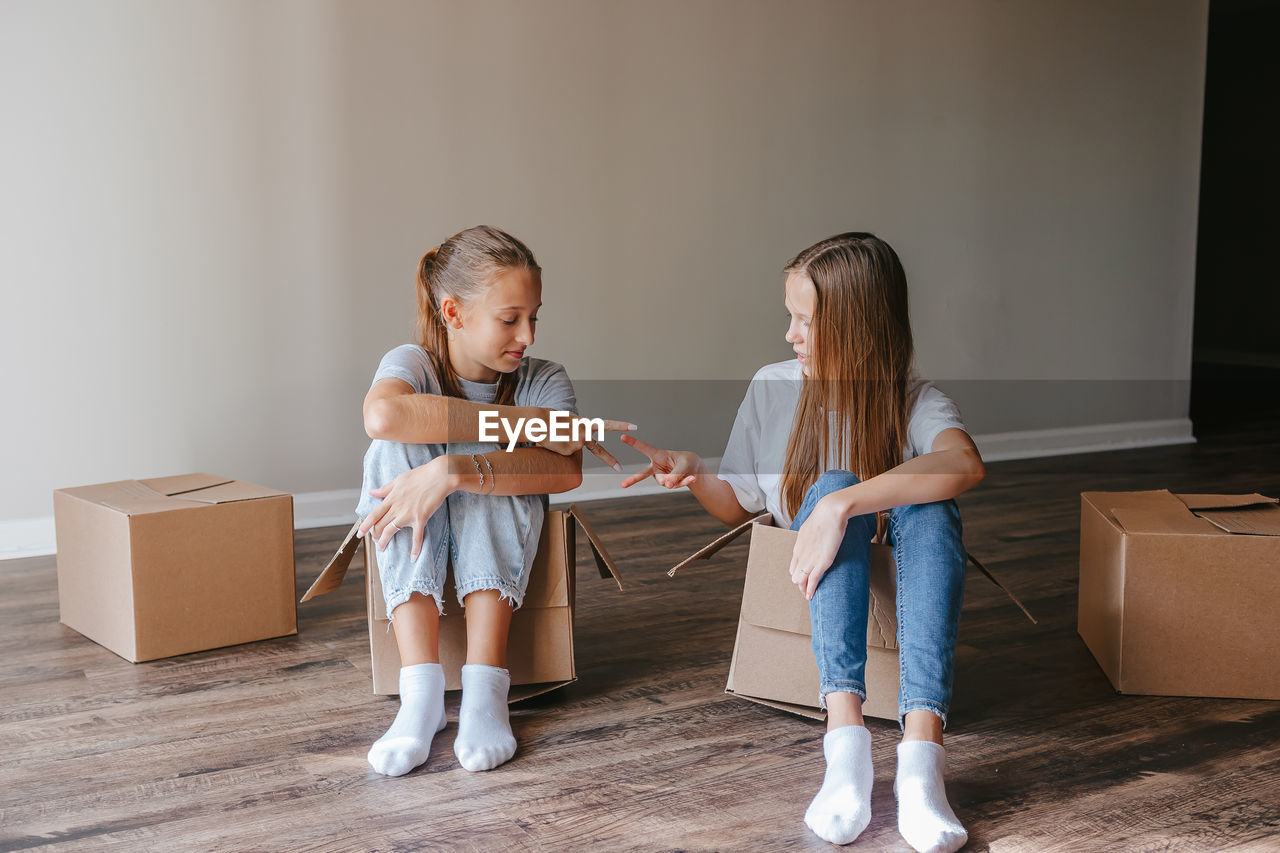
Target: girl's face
(800, 297)
(490, 335)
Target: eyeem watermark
(563, 426)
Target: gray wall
(212, 210)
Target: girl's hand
(568, 448)
(407, 502)
(671, 468)
(816, 545)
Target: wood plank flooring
(261, 747)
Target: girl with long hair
(434, 494)
(846, 444)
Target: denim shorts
(490, 540)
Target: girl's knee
(940, 515)
(833, 481)
(384, 457)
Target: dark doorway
(1235, 377)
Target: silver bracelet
(493, 480)
(476, 462)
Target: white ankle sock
(925, 818)
(484, 728)
(842, 808)
(408, 742)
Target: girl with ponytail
(434, 494)
(845, 444)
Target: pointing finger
(643, 446)
(618, 426)
(638, 476)
(601, 453)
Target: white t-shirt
(753, 460)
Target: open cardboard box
(773, 657)
(162, 567)
(540, 645)
(1180, 594)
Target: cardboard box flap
(769, 598)
(334, 573)
(1155, 511)
(1161, 520)
(604, 563)
(521, 692)
(1197, 502)
(715, 545)
(236, 490)
(1106, 503)
(132, 497)
(1252, 520)
(1006, 589)
(810, 711)
(184, 483)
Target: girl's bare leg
(417, 627)
(922, 725)
(488, 621)
(844, 709)
(484, 727)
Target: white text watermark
(561, 426)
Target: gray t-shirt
(539, 383)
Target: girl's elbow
(573, 478)
(977, 469)
(377, 420)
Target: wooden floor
(261, 747)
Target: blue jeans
(930, 559)
(491, 540)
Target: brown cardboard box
(773, 657)
(154, 568)
(540, 644)
(1180, 594)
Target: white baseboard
(1034, 443)
(32, 537)
(27, 537)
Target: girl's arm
(523, 471)
(718, 497)
(415, 495)
(676, 468)
(394, 412)
(953, 466)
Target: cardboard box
(540, 644)
(773, 655)
(1180, 594)
(162, 567)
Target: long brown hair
(461, 268)
(852, 409)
